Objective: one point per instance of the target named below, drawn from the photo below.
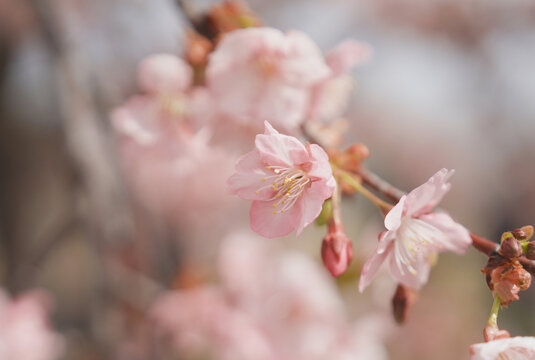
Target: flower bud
(492, 332)
(530, 250)
(524, 233)
(402, 303)
(336, 252)
(510, 247)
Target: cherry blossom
(415, 235)
(259, 74)
(517, 348)
(25, 333)
(287, 181)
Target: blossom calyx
(510, 247)
(492, 332)
(336, 250)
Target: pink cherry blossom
(517, 348)
(25, 333)
(259, 74)
(415, 234)
(287, 181)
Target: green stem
(493, 318)
(349, 179)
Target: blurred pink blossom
(287, 181)
(415, 234)
(517, 348)
(165, 149)
(270, 305)
(262, 74)
(25, 333)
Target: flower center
(287, 184)
(418, 241)
(174, 104)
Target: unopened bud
(336, 252)
(510, 247)
(524, 233)
(402, 303)
(530, 250)
(492, 332)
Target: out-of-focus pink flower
(287, 181)
(264, 310)
(24, 330)
(330, 97)
(166, 154)
(414, 235)
(164, 73)
(517, 348)
(259, 74)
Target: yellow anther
(274, 205)
(263, 179)
(274, 212)
(268, 167)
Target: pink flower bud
(336, 252)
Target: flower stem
(350, 180)
(493, 318)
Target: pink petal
(425, 197)
(385, 238)
(164, 73)
(268, 129)
(458, 238)
(347, 55)
(311, 202)
(281, 104)
(139, 119)
(281, 150)
(321, 168)
(370, 268)
(270, 225)
(394, 216)
(247, 180)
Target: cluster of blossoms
(267, 312)
(173, 133)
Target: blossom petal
(270, 225)
(385, 238)
(347, 54)
(370, 268)
(519, 347)
(248, 182)
(426, 196)
(164, 73)
(457, 237)
(138, 119)
(278, 149)
(394, 216)
(312, 201)
(320, 162)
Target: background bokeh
(450, 84)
